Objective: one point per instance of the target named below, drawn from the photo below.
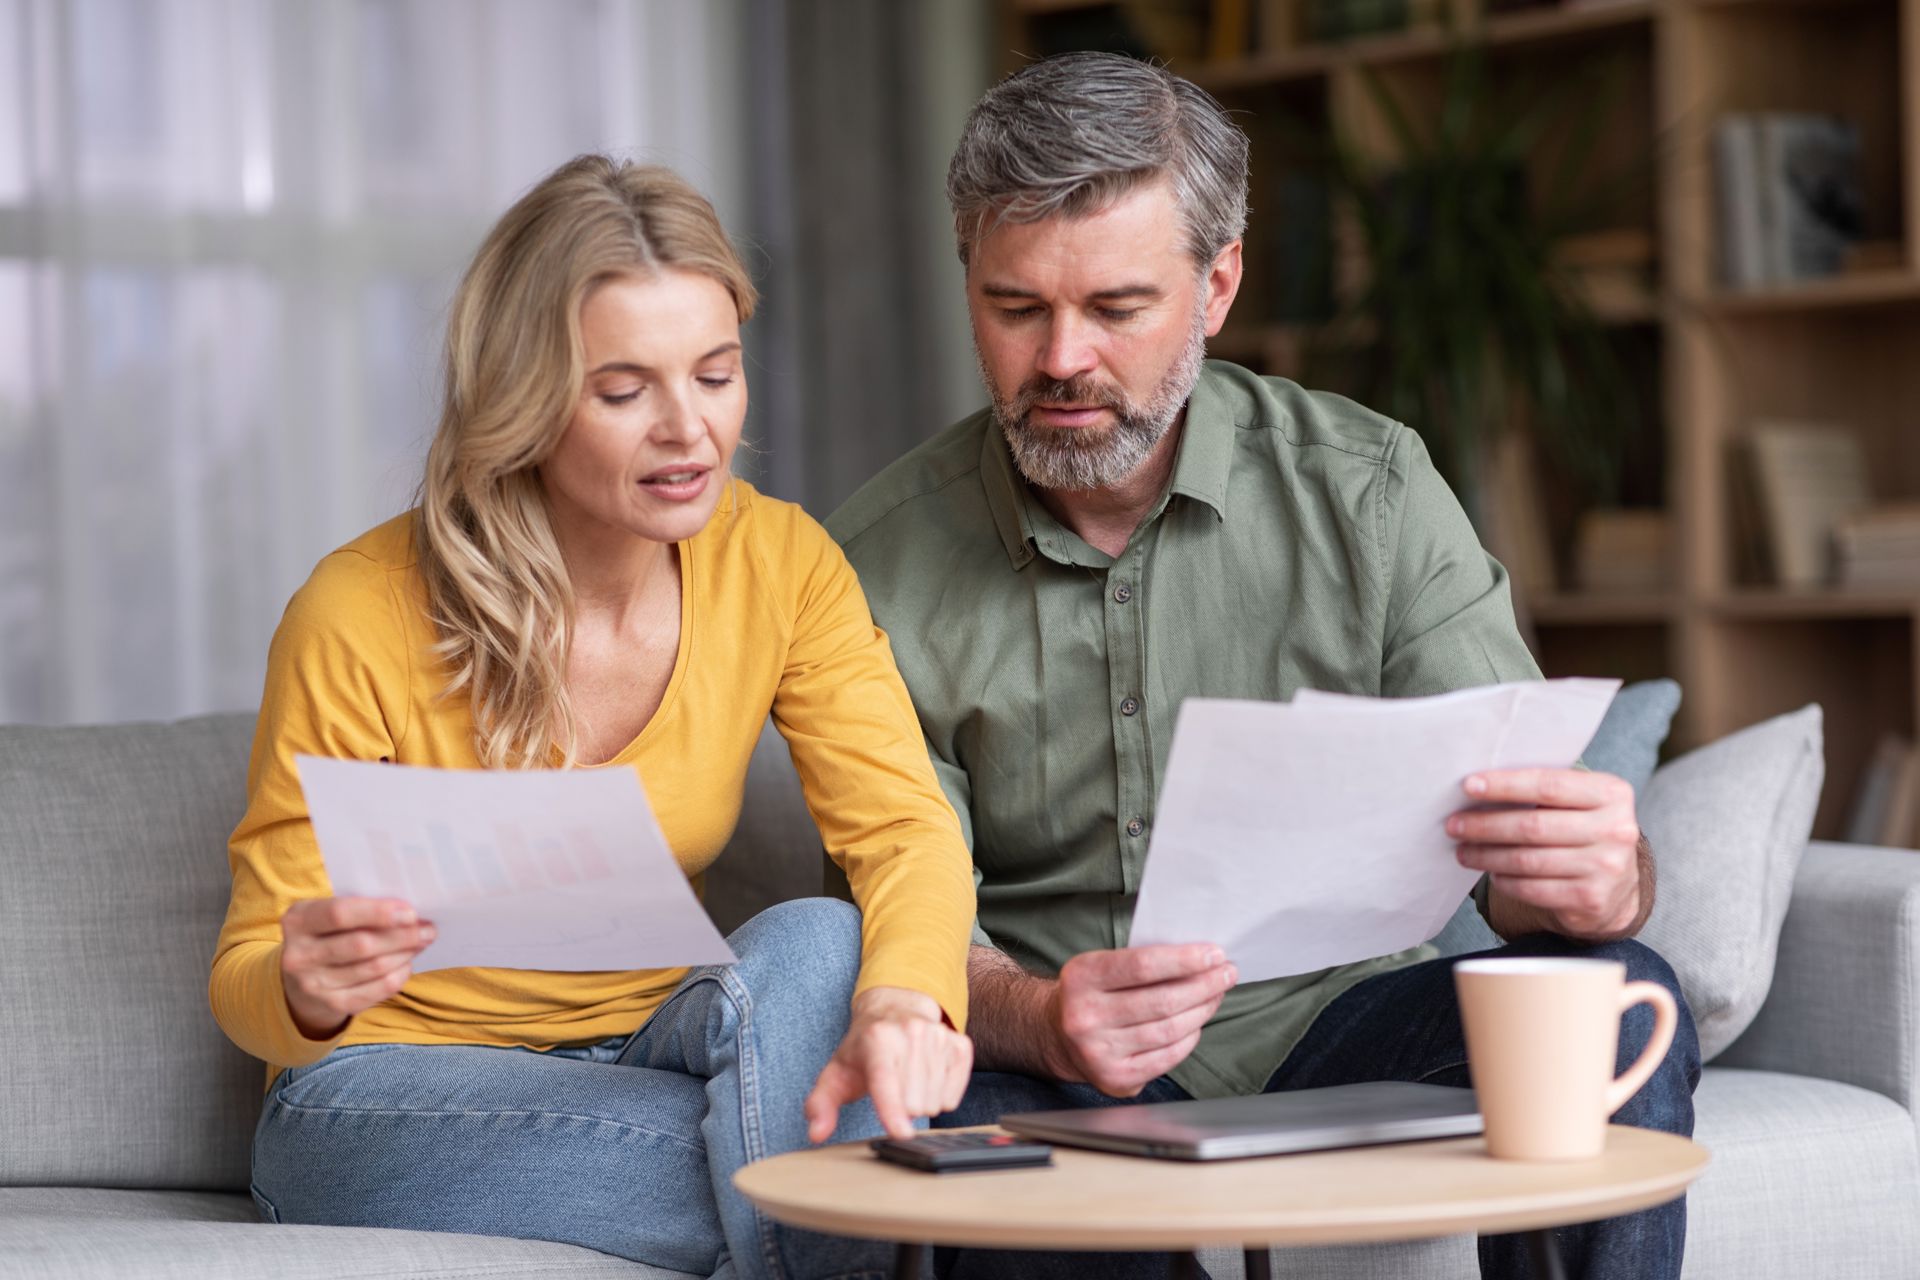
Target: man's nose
(1068, 351)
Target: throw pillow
(1729, 823)
(1627, 743)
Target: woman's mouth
(676, 484)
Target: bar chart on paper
(443, 868)
(542, 869)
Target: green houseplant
(1465, 320)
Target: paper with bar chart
(561, 869)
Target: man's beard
(1079, 458)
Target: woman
(583, 585)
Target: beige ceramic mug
(1542, 1036)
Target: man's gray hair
(1069, 135)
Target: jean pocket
(264, 1205)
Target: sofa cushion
(1729, 823)
(113, 844)
(1809, 1178)
(1627, 743)
(49, 1233)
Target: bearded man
(1130, 525)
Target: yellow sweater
(772, 617)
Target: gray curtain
(861, 349)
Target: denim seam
(750, 1124)
(1441, 1070)
(444, 1113)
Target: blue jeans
(1405, 1025)
(628, 1146)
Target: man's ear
(1222, 285)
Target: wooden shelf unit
(1844, 349)
(1545, 25)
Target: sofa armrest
(1843, 1002)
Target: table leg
(1259, 1263)
(1546, 1258)
(908, 1261)
(1186, 1266)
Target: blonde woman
(583, 585)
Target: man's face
(1090, 332)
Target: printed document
(1308, 834)
(540, 869)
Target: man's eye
(1019, 313)
(1119, 313)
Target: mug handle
(1666, 1019)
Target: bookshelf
(1843, 349)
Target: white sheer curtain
(228, 231)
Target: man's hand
(339, 956)
(1112, 1019)
(1575, 865)
(1124, 1018)
(900, 1051)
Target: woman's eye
(716, 383)
(624, 398)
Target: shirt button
(1135, 826)
(1129, 705)
(1123, 593)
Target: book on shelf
(1612, 270)
(1788, 194)
(1276, 25)
(1879, 547)
(1800, 481)
(1617, 551)
(1231, 34)
(1886, 803)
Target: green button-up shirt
(1303, 542)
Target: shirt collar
(1006, 494)
(1199, 469)
(1206, 446)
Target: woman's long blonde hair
(497, 588)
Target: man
(1128, 526)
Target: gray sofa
(126, 1117)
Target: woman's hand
(342, 955)
(900, 1051)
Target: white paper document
(1308, 834)
(543, 869)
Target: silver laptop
(1348, 1115)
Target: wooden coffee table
(1094, 1201)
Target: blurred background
(1645, 274)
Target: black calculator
(954, 1152)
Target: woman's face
(649, 443)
